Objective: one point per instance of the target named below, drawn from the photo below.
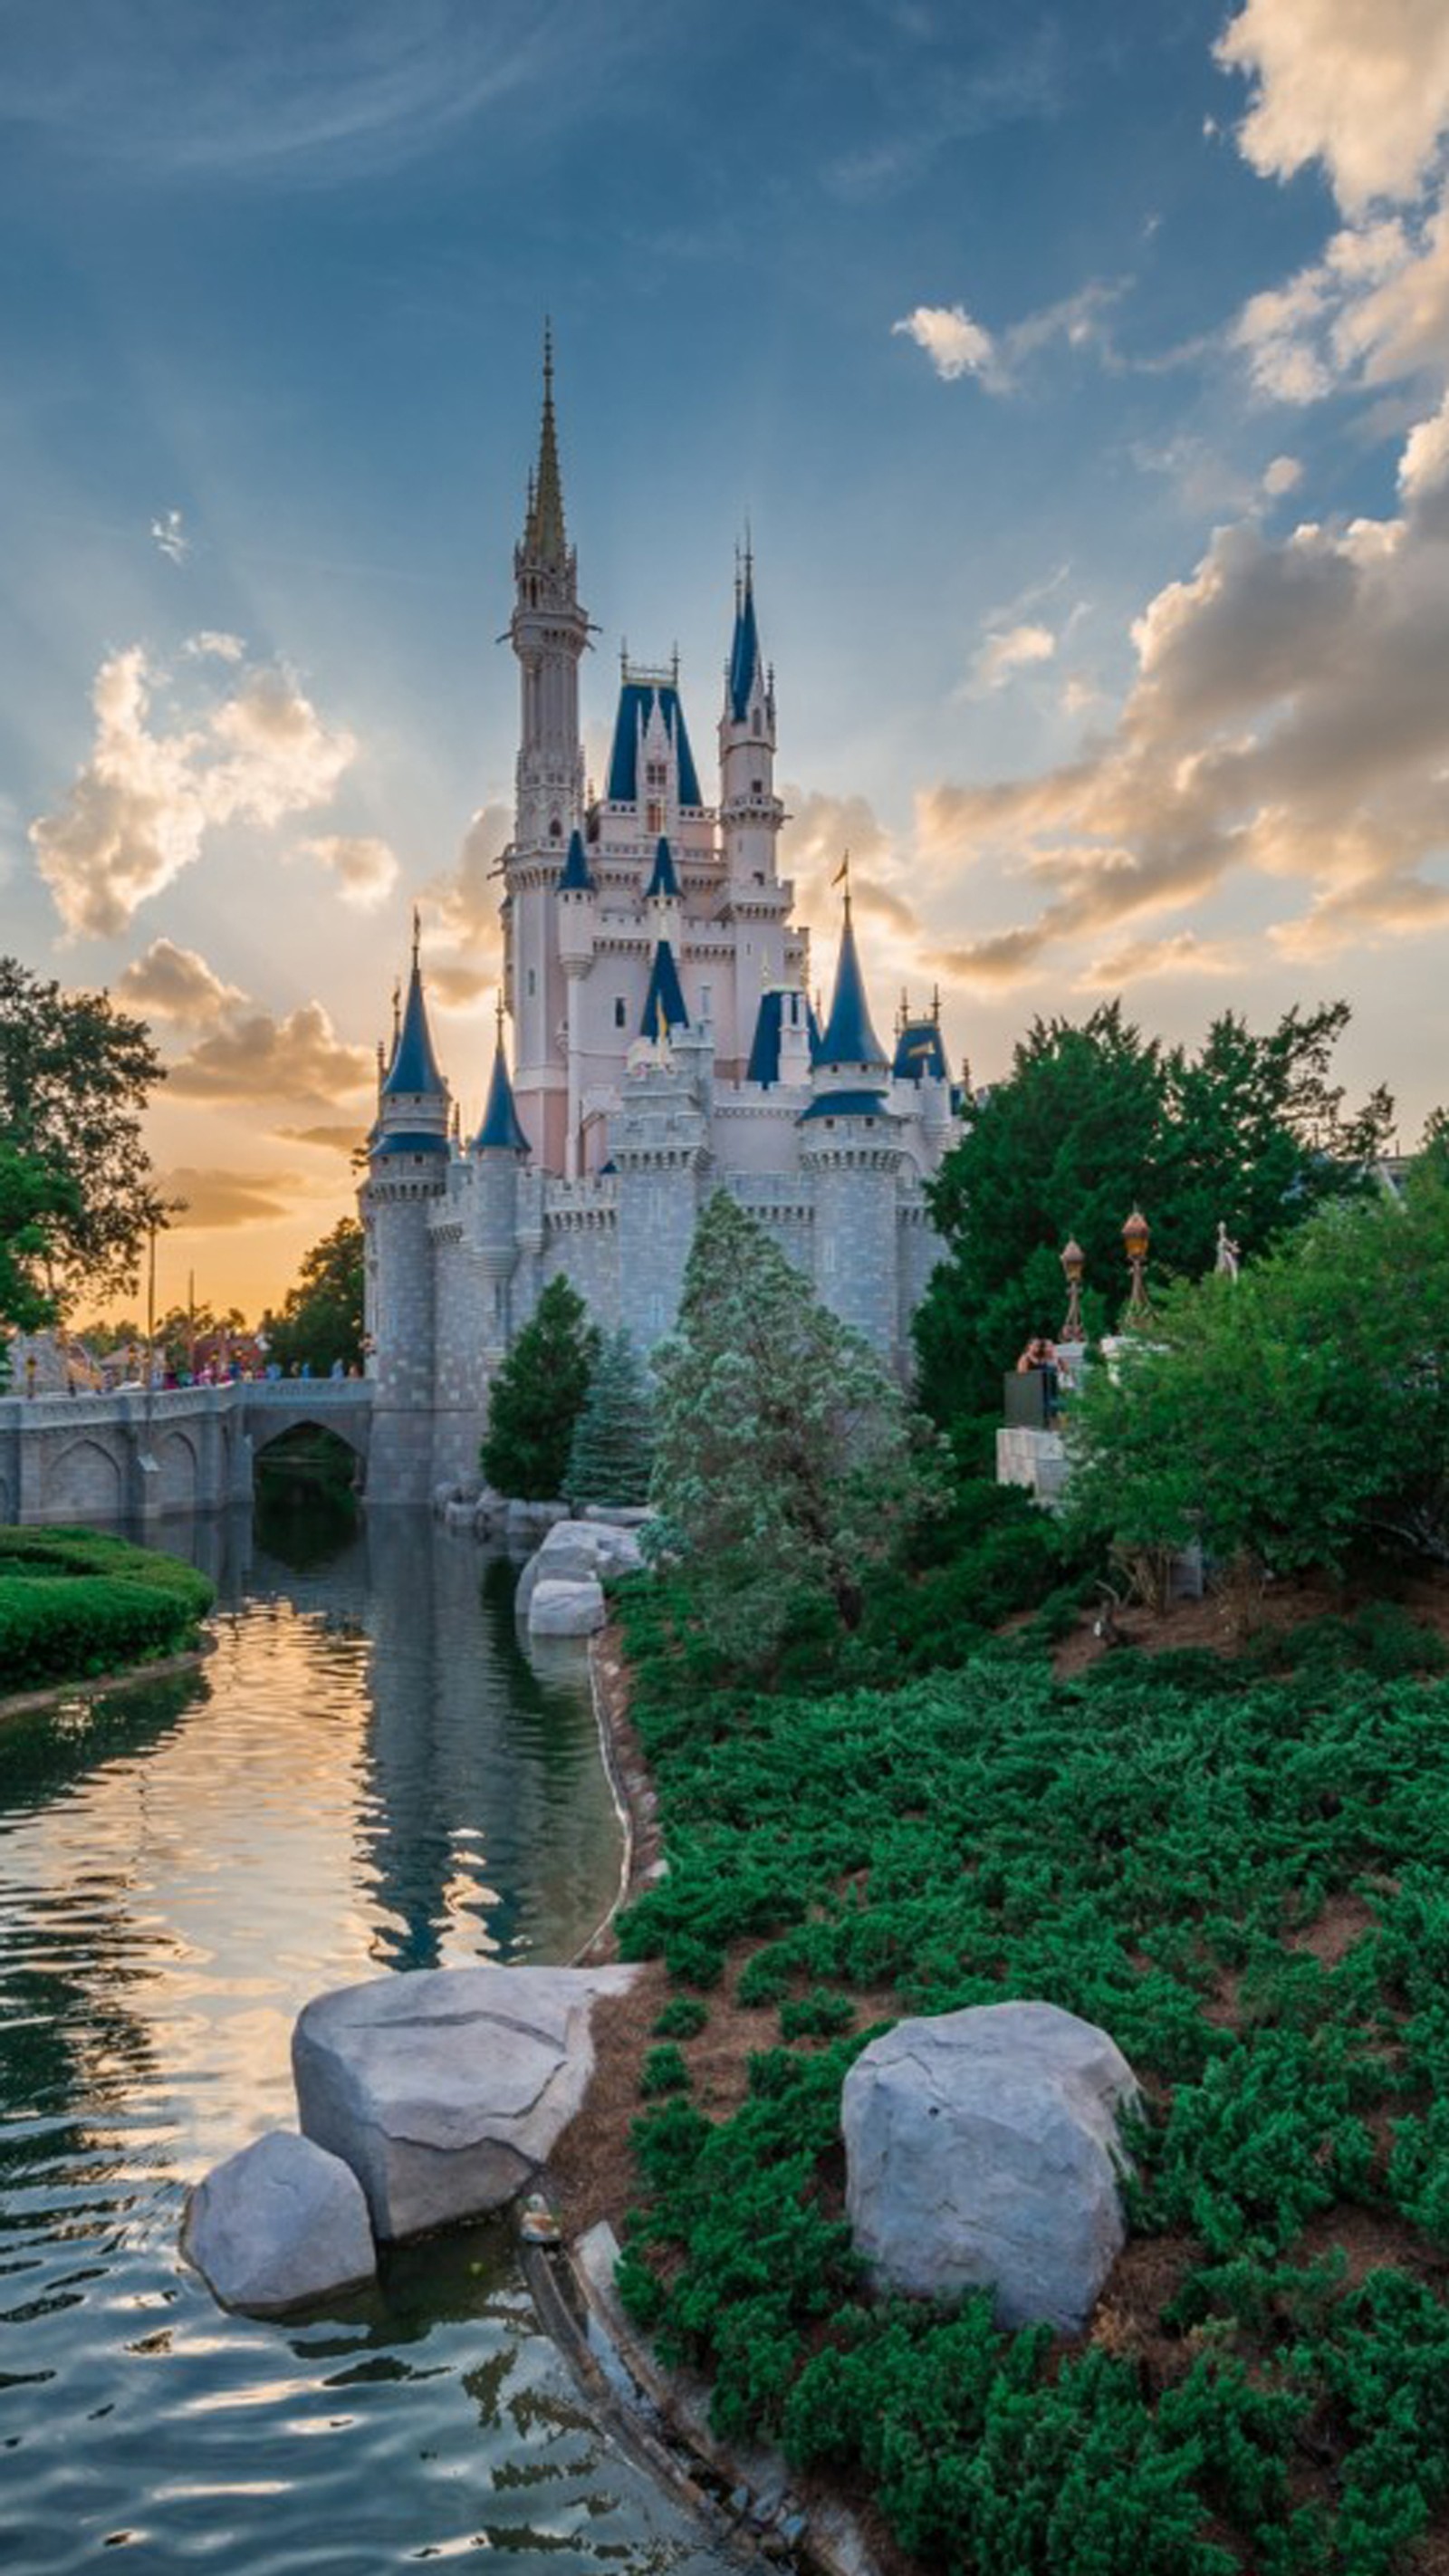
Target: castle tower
(549, 630)
(850, 1145)
(407, 1178)
(500, 1148)
(576, 931)
(750, 812)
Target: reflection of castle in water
(487, 1828)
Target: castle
(664, 1047)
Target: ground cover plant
(74, 1603)
(1239, 1869)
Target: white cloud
(365, 868)
(1360, 85)
(1002, 655)
(217, 646)
(171, 538)
(1281, 474)
(1424, 465)
(1138, 961)
(955, 345)
(139, 808)
(171, 983)
(464, 902)
(215, 1199)
(1290, 719)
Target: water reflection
(364, 1775)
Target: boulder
(278, 2225)
(982, 2153)
(445, 2090)
(566, 1609)
(578, 1552)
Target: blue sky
(1079, 372)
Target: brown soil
(1213, 1623)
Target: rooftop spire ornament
(1074, 1262)
(1136, 1235)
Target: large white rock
(279, 2224)
(445, 2090)
(578, 1552)
(566, 1609)
(982, 2153)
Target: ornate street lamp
(1136, 1235)
(1074, 1262)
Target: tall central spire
(545, 541)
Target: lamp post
(1136, 1235)
(1074, 1262)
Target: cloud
(329, 1140)
(464, 902)
(457, 988)
(171, 983)
(1289, 718)
(1002, 655)
(955, 345)
(261, 1058)
(138, 810)
(217, 1199)
(1281, 474)
(1360, 85)
(1181, 953)
(365, 868)
(214, 645)
(171, 538)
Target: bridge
(139, 1453)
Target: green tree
(321, 1315)
(613, 1444)
(787, 1465)
(1094, 1120)
(537, 1396)
(75, 1074)
(1295, 1416)
(35, 1201)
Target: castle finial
(396, 1009)
(936, 1005)
(842, 877)
(500, 1016)
(417, 935)
(545, 540)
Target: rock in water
(445, 2090)
(278, 2225)
(982, 2153)
(566, 1609)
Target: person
(1041, 1354)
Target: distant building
(664, 1046)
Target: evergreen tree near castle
(787, 1465)
(537, 1397)
(613, 1445)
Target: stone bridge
(137, 1454)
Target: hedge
(73, 1604)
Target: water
(367, 1775)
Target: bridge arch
(274, 1424)
(178, 1472)
(85, 1481)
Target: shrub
(74, 1603)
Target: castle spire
(414, 1067)
(501, 1129)
(744, 663)
(849, 1038)
(545, 541)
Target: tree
(1096, 1120)
(787, 1465)
(537, 1396)
(35, 1200)
(321, 1317)
(1290, 1418)
(613, 1444)
(74, 1078)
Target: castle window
(555, 830)
(532, 983)
(621, 1016)
(757, 787)
(656, 774)
(654, 820)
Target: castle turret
(407, 1178)
(850, 1145)
(549, 631)
(663, 898)
(499, 1148)
(576, 908)
(750, 812)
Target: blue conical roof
(500, 1129)
(576, 878)
(920, 1050)
(664, 880)
(744, 651)
(664, 1001)
(849, 1037)
(414, 1067)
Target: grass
(74, 1604)
(1242, 1872)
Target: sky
(1081, 375)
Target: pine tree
(613, 1445)
(787, 1464)
(537, 1397)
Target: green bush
(663, 2071)
(683, 2017)
(73, 1604)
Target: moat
(367, 1775)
